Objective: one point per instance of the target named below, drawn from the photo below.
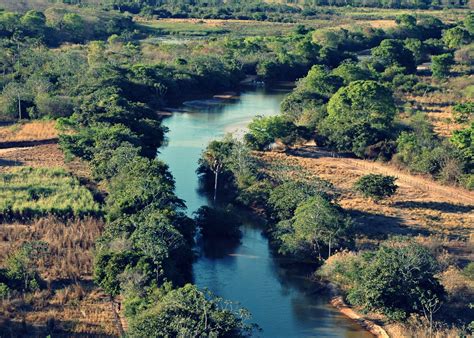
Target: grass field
(29, 192)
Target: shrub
(376, 186)
(265, 130)
(395, 279)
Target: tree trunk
(19, 107)
(216, 174)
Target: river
(282, 303)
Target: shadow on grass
(438, 206)
(9, 163)
(23, 144)
(378, 226)
(60, 328)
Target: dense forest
(106, 81)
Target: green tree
(217, 222)
(157, 238)
(463, 140)
(351, 71)
(34, 23)
(392, 52)
(417, 48)
(22, 265)
(469, 23)
(317, 223)
(359, 115)
(285, 198)
(215, 157)
(265, 130)
(463, 112)
(188, 312)
(456, 37)
(406, 20)
(441, 65)
(376, 186)
(141, 184)
(393, 278)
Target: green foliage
(21, 267)
(394, 279)
(441, 65)
(189, 312)
(463, 140)
(456, 37)
(359, 115)
(393, 52)
(463, 112)
(286, 197)
(29, 193)
(317, 224)
(139, 184)
(376, 186)
(468, 271)
(265, 130)
(350, 71)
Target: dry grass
(70, 245)
(421, 205)
(73, 309)
(29, 131)
(70, 303)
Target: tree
(376, 186)
(406, 20)
(157, 238)
(34, 23)
(359, 115)
(22, 265)
(417, 48)
(189, 312)
(215, 157)
(455, 37)
(463, 112)
(390, 279)
(316, 222)
(463, 140)
(441, 65)
(392, 52)
(285, 198)
(265, 130)
(469, 23)
(141, 184)
(351, 71)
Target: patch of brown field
(77, 308)
(70, 245)
(41, 156)
(70, 302)
(421, 206)
(29, 131)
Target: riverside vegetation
(105, 84)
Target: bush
(265, 130)
(376, 186)
(395, 279)
(186, 312)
